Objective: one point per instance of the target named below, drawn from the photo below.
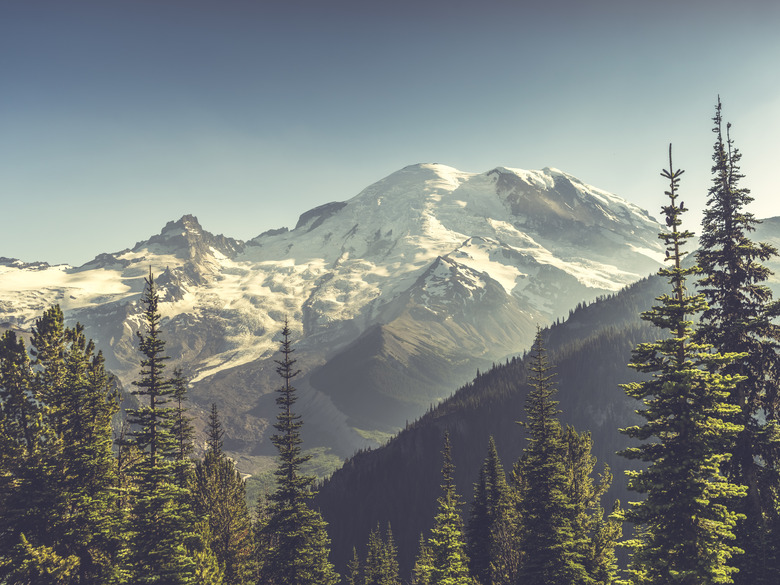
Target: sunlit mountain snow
(534, 243)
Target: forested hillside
(399, 482)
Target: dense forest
(85, 500)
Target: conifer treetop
(685, 527)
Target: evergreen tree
(550, 549)
(39, 565)
(353, 570)
(445, 552)
(182, 429)
(423, 564)
(127, 458)
(208, 570)
(596, 535)
(294, 537)
(62, 516)
(739, 319)
(374, 566)
(161, 527)
(219, 497)
(685, 527)
(261, 538)
(215, 432)
(606, 535)
(48, 350)
(478, 529)
(493, 556)
(390, 572)
(24, 467)
(381, 565)
(89, 524)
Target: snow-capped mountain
(395, 296)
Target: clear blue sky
(117, 116)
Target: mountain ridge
(451, 269)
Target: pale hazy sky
(118, 116)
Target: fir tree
(739, 319)
(374, 566)
(391, 574)
(24, 465)
(154, 420)
(63, 511)
(89, 523)
(478, 530)
(493, 556)
(685, 527)
(40, 565)
(215, 432)
(445, 551)
(381, 565)
(353, 570)
(182, 429)
(294, 540)
(128, 457)
(261, 539)
(423, 564)
(48, 351)
(219, 497)
(162, 540)
(596, 535)
(208, 570)
(549, 546)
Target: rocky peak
(186, 239)
(187, 223)
(16, 263)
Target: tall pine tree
(685, 527)
(352, 576)
(219, 497)
(443, 560)
(61, 510)
(381, 565)
(182, 429)
(295, 543)
(550, 548)
(423, 564)
(493, 556)
(596, 534)
(161, 525)
(25, 466)
(89, 524)
(739, 319)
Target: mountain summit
(396, 296)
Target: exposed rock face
(314, 218)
